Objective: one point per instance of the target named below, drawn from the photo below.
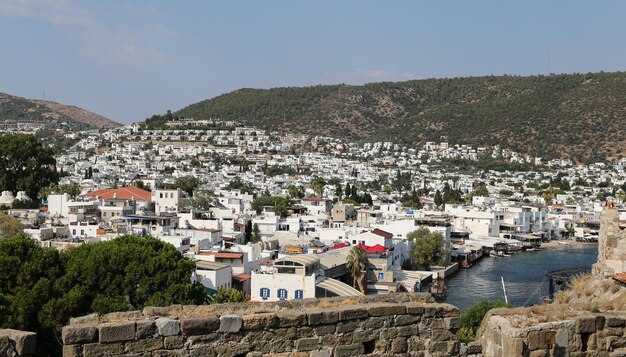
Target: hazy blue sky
(130, 59)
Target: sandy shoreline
(572, 243)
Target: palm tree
(357, 263)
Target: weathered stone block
(320, 317)
(307, 344)
(91, 319)
(586, 324)
(348, 326)
(68, 351)
(324, 330)
(291, 318)
(155, 311)
(304, 331)
(78, 334)
(386, 310)
(452, 323)
(538, 353)
(614, 322)
(145, 329)
(230, 323)
(373, 323)
(408, 330)
(349, 350)
(167, 326)
(200, 325)
(415, 309)
(562, 337)
(512, 346)
(346, 314)
(536, 340)
(103, 349)
(600, 321)
(402, 320)
(173, 342)
(366, 335)
(321, 353)
(259, 321)
(399, 345)
(173, 353)
(145, 345)
(117, 331)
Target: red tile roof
(382, 233)
(229, 255)
(242, 277)
(621, 277)
(122, 193)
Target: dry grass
(588, 292)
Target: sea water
(523, 274)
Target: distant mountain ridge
(577, 116)
(22, 109)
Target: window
(265, 293)
(381, 276)
(282, 294)
(299, 294)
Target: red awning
(374, 249)
(340, 245)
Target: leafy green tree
(27, 277)
(10, 227)
(256, 234)
(438, 198)
(295, 191)
(357, 263)
(428, 247)
(187, 184)
(72, 189)
(202, 200)
(474, 315)
(317, 184)
(278, 202)
(223, 296)
(338, 191)
(26, 165)
(244, 187)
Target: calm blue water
(522, 273)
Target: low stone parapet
(404, 324)
(586, 334)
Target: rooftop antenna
(44, 94)
(548, 69)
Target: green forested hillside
(578, 116)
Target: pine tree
(438, 198)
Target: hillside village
(276, 215)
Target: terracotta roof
(242, 277)
(122, 193)
(621, 277)
(382, 233)
(229, 255)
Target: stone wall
(17, 343)
(394, 324)
(611, 244)
(591, 335)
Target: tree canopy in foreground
(41, 288)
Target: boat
(561, 242)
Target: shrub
(473, 316)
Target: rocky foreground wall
(395, 324)
(601, 334)
(17, 343)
